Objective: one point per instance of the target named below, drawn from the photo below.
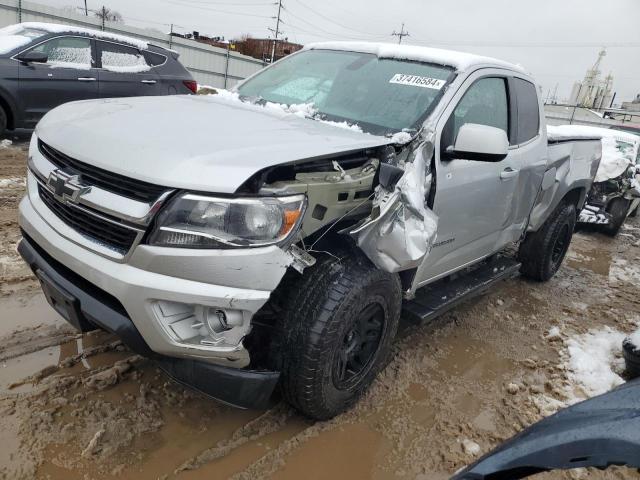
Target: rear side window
(120, 58)
(67, 52)
(154, 59)
(528, 111)
(485, 103)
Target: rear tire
(542, 252)
(634, 213)
(336, 333)
(618, 209)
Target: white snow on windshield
(302, 110)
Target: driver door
(473, 198)
(68, 75)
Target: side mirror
(33, 57)
(481, 143)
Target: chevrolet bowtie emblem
(66, 187)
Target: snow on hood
(459, 60)
(619, 149)
(195, 142)
(11, 37)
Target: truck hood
(191, 142)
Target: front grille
(113, 182)
(110, 234)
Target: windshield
(16, 36)
(380, 95)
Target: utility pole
(19, 11)
(401, 34)
(86, 10)
(171, 37)
(277, 32)
(104, 16)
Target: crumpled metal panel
(400, 230)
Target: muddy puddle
(83, 406)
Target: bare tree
(109, 15)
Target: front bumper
(86, 306)
(228, 279)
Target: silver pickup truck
(273, 236)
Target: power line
(321, 15)
(327, 32)
(180, 3)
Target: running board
(433, 300)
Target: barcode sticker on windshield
(417, 81)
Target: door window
(69, 52)
(528, 111)
(120, 58)
(485, 103)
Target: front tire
(336, 333)
(542, 252)
(618, 209)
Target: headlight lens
(197, 221)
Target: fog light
(201, 325)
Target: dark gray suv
(45, 65)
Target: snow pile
(14, 36)
(614, 161)
(301, 110)
(6, 143)
(401, 138)
(594, 360)
(459, 60)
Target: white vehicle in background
(615, 193)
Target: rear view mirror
(481, 143)
(33, 57)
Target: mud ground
(83, 406)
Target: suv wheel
(335, 334)
(618, 209)
(542, 252)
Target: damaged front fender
(399, 232)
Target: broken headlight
(198, 221)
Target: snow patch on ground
(594, 361)
(623, 271)
(16, 182)
(6, 143)
(591, 364)
(634, 338)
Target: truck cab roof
(459, 60)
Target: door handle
(86, 79)
(508, 173)
(148, 82)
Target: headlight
(197, 221)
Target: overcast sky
(556, 40)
